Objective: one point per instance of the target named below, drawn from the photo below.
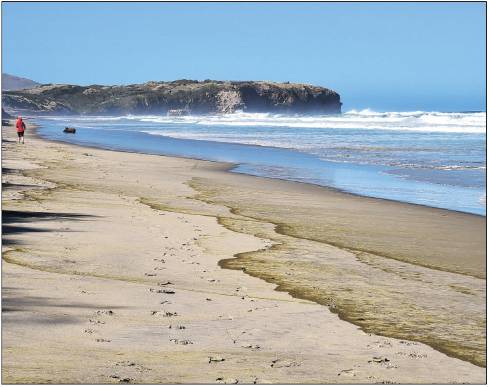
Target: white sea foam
(233, 138)
(280, 131)
(483, 199)
(460, 167)
(359, 120)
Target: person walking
(21, 127)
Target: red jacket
(20, 125)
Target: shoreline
(229, 166)
(122, 176)
(281, 228)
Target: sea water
(428, 158)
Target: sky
(380, 56)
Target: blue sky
(383, 56)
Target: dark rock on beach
(174, 98)
(69, 130)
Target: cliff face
(160, 98)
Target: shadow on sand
(15, 222)
(15, 303)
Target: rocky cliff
(184, 96)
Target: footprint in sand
(228, 381)
(383, 361)
(99, 322)
(163, 291)
(104, 312)
(132, 364)
(349, 372)
(96, 321)
(179, 327)
(215, 359)
(121, 379)
(280, 363)
(163, 313)
(181, 342)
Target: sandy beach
(132, 268)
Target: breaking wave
(466, 122)
(364, 119)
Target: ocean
(428, 158)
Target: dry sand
(110, 274)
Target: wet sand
(113, 272)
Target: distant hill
(11, 82)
